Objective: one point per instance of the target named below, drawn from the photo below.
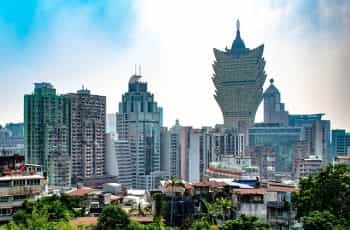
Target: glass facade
(281, 139)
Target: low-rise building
(17, 184)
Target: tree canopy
(325, 194)
(113, 217)
(245, 222)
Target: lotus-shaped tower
(239, 76)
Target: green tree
(201, 224)
(326, 191)
(224, 208)
(113, 217)
(321, 221)
(159, 205)
(245, 222)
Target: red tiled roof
(187, 186)
(142, 219)
(250, 191)
(279, 187)
(226, 171)
(80, 192)
(87, 220)
(211, 184)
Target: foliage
(201, 224)
(52, 212)
(113, 217)
(245, 222)
(321, 221)
(327, 191)
(159, 206)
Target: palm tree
(225, 206)
(211, 211)
(174, 183)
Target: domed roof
(272, 88)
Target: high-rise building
(88, 127)
(281, 139)
(238, 78)
(12, 139)
(263, 157)
(274, 111)
(47, 134)
(316, 134)
(340, 142)
(139, 120)
(111, 123)
(119, 162)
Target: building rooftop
(80, 191)
(18, 177)
(86, 220)
(250, 191)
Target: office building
(281, 139)
(340, 142)
(88, 127)
(316, 134)
(47, 133)
(238, 78)
(119, 162)
(139, 120)
(274, 111)
(12, 139)
(111, 124)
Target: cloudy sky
(96, 43)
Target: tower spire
(238, 25)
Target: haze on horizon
(97, 43)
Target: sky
(96, 43)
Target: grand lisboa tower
(238, 77)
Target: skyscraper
(46, 133)
(139, 120)
(238, 78)
(88, 126)
(273, 108)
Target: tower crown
(238, 45)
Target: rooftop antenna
(238, 25)
(135, 69)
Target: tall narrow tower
(238, 78)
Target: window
(18, 182)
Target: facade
(281, 139)
(274, 111)
(12, 139)
(340, 142)
(18, 182)
(119, 161)
(47, 133)
(308, 166)
(88, 127)
(111, 123)
(316, 134)
(263, 157)
(238, 78)
(139, 120)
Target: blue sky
(97, 43)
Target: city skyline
(96, 44)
